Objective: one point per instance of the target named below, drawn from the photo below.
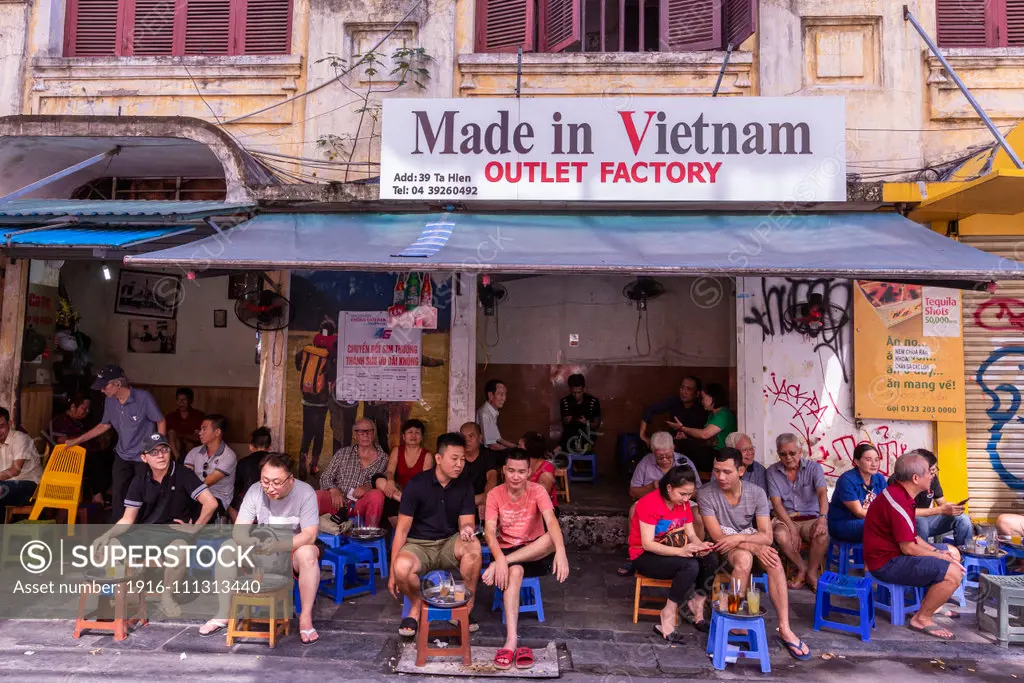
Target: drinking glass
(723, 598)
(753, 600)
(735, 596)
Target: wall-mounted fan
(264, 310)
(814, 316)
(642, 290)
(491, 295)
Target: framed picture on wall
(152, 336)
(155, 295)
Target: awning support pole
(907, 16)
(60, 174)
(50, 226)
(721, 72)
(519, 70)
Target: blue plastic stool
(485, 554)
(331, 540)
(379, 545)
(530, 599)
(726, 648)
(844, 586)
(214, 543)
(845, 556)
(996, 566)
(434, 613)
(761, 581)
(589, 458)
(346, 583)
(892, 598)
(959, 594)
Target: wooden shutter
(1015, 23)
(208, 27)
(559, 25)
(152, 27)
(965, 23)
(93, 28)
(690, 25)
(740, 21)
(504, 25)
(267, 28)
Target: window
(980, 23)
(122, 28)
(612, 25)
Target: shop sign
(731, 149)
(376, 363)
(908, 352)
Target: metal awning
(23, 211)
(85, 237)
(858, 245)
(999, 192)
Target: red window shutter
(504, 25)
(267, 29)
(740, 21)
(153, 27)
(92, 28)
(691, 25)
(1015, 23)
(208, 27)
(559, 25)
(964, 23)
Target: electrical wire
(641, 316)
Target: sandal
(626, 569)
(408, 627)
(503, 660)
(932, 630)
(218, 626)
(524, 658)
(309, 636)
(674, 638)
(795, 649)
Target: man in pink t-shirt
(517, 513)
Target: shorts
(433, 554)
(534, 568)
(908, 570)
(804, 526)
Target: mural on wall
(1005, 409)
(317, 422)
(807, 380)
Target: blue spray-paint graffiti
(1006, 400)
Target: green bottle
(412, 291)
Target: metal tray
(742, 614)
(366, 533)
(433, 598)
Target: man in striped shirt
(894, 553)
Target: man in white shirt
(214, 461)
(20, 465)
(487, 415)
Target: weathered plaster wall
(13, 26)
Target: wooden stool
(100, 620)
(562, 484)
(277, 601)
(647, 582)
(424, 634)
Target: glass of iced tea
(735, 597)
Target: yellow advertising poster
(908, 352)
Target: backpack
(313, 377)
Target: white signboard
(942, 312)
(728, 149)
(376, 363)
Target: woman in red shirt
(661, 517)
(542, 471)
(404, 463)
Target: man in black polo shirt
(166, 493)
(436, 529)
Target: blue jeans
(847, 530)
(940, 525)
(14, 492)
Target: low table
(1007, 592)
(277, 598)
(110, 617)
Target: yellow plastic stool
(61, 484)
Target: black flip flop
(675, 638)
(931, 629)
(408, 627)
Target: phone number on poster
(927, 410)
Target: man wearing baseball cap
(135, 416)
(164, 492)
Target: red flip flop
(524, 658)
(503, 660)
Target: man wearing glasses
(214, 461)
(350, 476)
(278, 499)
(165, 493)
(753, 472)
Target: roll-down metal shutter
(994, 369)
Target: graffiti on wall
(771, 312)
(1005, 395)
(1000, 314)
